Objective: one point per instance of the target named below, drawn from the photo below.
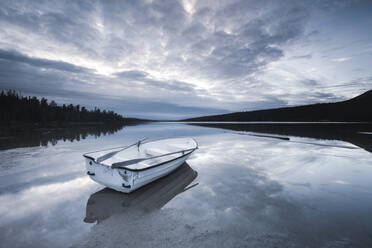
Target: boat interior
(142, 154)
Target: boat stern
(118, 179)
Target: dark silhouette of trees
(356, 109)
(15, 107)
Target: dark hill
(356, 109)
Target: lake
(244, 187)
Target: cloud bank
(167, 59)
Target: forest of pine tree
(357, 109)
(15, 107)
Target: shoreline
(276, 122)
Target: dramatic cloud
(169, 59)
(16, 57)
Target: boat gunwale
(141, 141)
(146, 168)
(149, 167)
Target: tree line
(15, 107)
(356, 109)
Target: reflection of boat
(155, 195)
(129, 168)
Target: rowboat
(128, 168)
(107, 202)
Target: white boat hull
(125, 180)
(107, 202)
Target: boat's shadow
(107, 202)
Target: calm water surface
(235, 191)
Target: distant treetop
(15, 107)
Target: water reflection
(43, 136)
(354, 133)
(253, 191)
(107, 202)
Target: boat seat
(153, 152)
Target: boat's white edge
(189, 151)
(146, 168)
(127, 146)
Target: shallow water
(235, 191)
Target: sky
(175, 59)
